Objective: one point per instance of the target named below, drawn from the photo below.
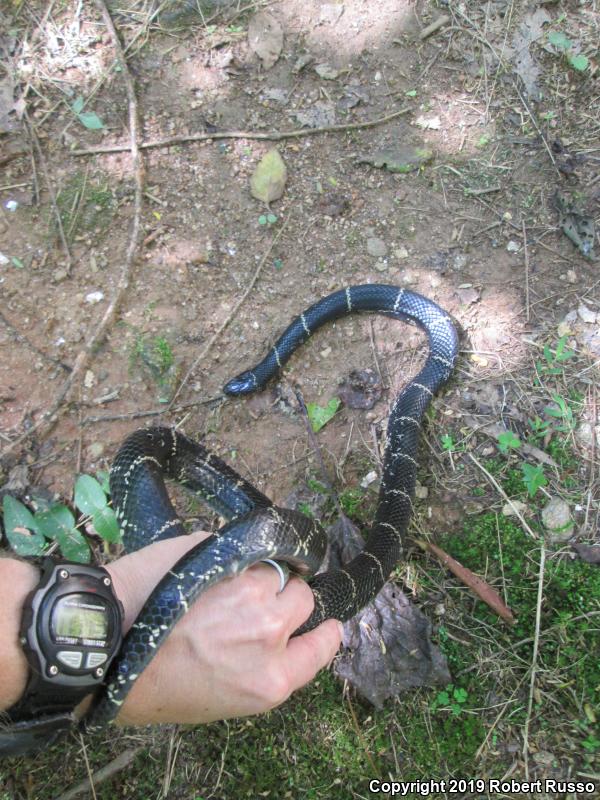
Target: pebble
(586, 314)
(401, 252)
(59, 275)
(513, 247)
(96, 449)
(510, 509)
(376, 247)
(421, 491)
(381, 265)
(556, 518)
(94, 297)
(369, 478)
(4, 260)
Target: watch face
(80, 619)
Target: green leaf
(103, 478)
(533, 478)
(268, 179)
(90, 120)
(89, 495)
(320, 415)
(105, 524)
(271, 218)
(579, 62)
(56, 518)
(460, 695)
(16, 262)
(447, 441)
(507, 441)
(262, 220)
(21, 528)
(78, 105)
(73, 546)
(559, 40)
(411, 93)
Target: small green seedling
(89, 119)
(533, 478)
(508, 441)
(565, 46)
(267, 219)
(453, 698)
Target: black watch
(70, 633)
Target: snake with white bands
(257, 529)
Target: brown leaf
(478, 586)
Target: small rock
(586, 314)
(94, 297)
(96, 449)
(376, 247)
(326, 352)
(327, 72)
(59, 275)
(572, 276)
(421, 491)
(459, 261)
(513, 247)
(369, 478)
(556, 518)
(3, 260)
(89, 380)
(381, 266)
(401, 252)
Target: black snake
(257, 529)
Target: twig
(50, 187)
(505, 497)
(50, 417)
(435, 26)
(534, 656)
(526, 251)
(120, 763)
(152, 413)
(273, 136)
(224, 324)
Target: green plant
(267, 219)
(155, 355)
(555, 358)
(452, 698)
(508, 441)
(320, 415)
(30, 534)
(89, 119)
(564, 45)
(533, 478)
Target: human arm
(228, 656)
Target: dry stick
(505, 497)
(50, 417)
(121, 762)
(224, 324)
(51, 192)
(534, 656)
(273, 136)
(526, 250)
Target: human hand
(231, 655)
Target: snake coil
(257, 529)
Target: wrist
(17, 579)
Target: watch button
(70, 658)
(95, 659)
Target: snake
(256, 528)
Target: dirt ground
(202, 239)
(476, 227)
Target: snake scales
(257, 529)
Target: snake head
(244, 383)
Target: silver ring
(282, 569)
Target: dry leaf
(268, 179)
(478, 586)
(265, 37)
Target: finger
(307, 654)
(271, 574)
(295, 603)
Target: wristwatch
(70, 632)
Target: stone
(556, 518)
(376, 247)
